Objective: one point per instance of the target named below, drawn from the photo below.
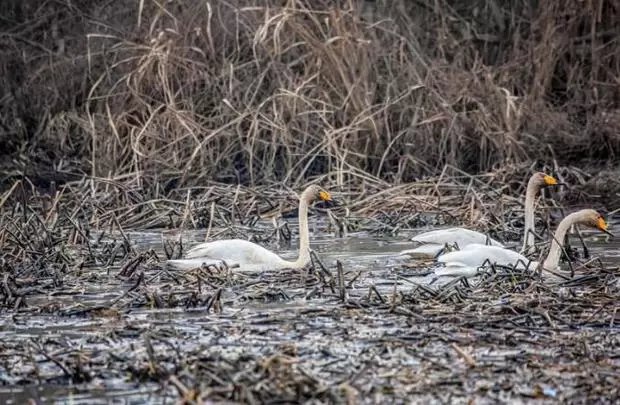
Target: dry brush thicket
(183, 93)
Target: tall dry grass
(181, 93)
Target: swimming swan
(467, 261)
(250, 256)
(433, 242)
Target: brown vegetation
(183, 93)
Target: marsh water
(321, 341)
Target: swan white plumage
(432, 243)
(466, 262)
(249, 256)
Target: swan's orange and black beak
(602, 226)
(324, 195)
(550, 180)
(326, 200)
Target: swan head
(316, 193)
(540, 179)
(593, 219)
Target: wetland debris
(510, 338)
(100, 310)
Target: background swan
(467, 261)
(433, 242)
(249, 256)
(536, 182)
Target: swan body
(236, 250)
(433, 243)
(248, 256)
(466, 262)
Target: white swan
(249, 256)
(467, 261)
(432, 243)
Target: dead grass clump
(254, 92)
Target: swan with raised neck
(250, 256)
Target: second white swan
(432, 243)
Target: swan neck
(553, 258)
(304, 236)
(530, 196)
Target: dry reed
(179, 95)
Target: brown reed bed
(484, 200)
(159, 96)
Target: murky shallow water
(376, 257)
